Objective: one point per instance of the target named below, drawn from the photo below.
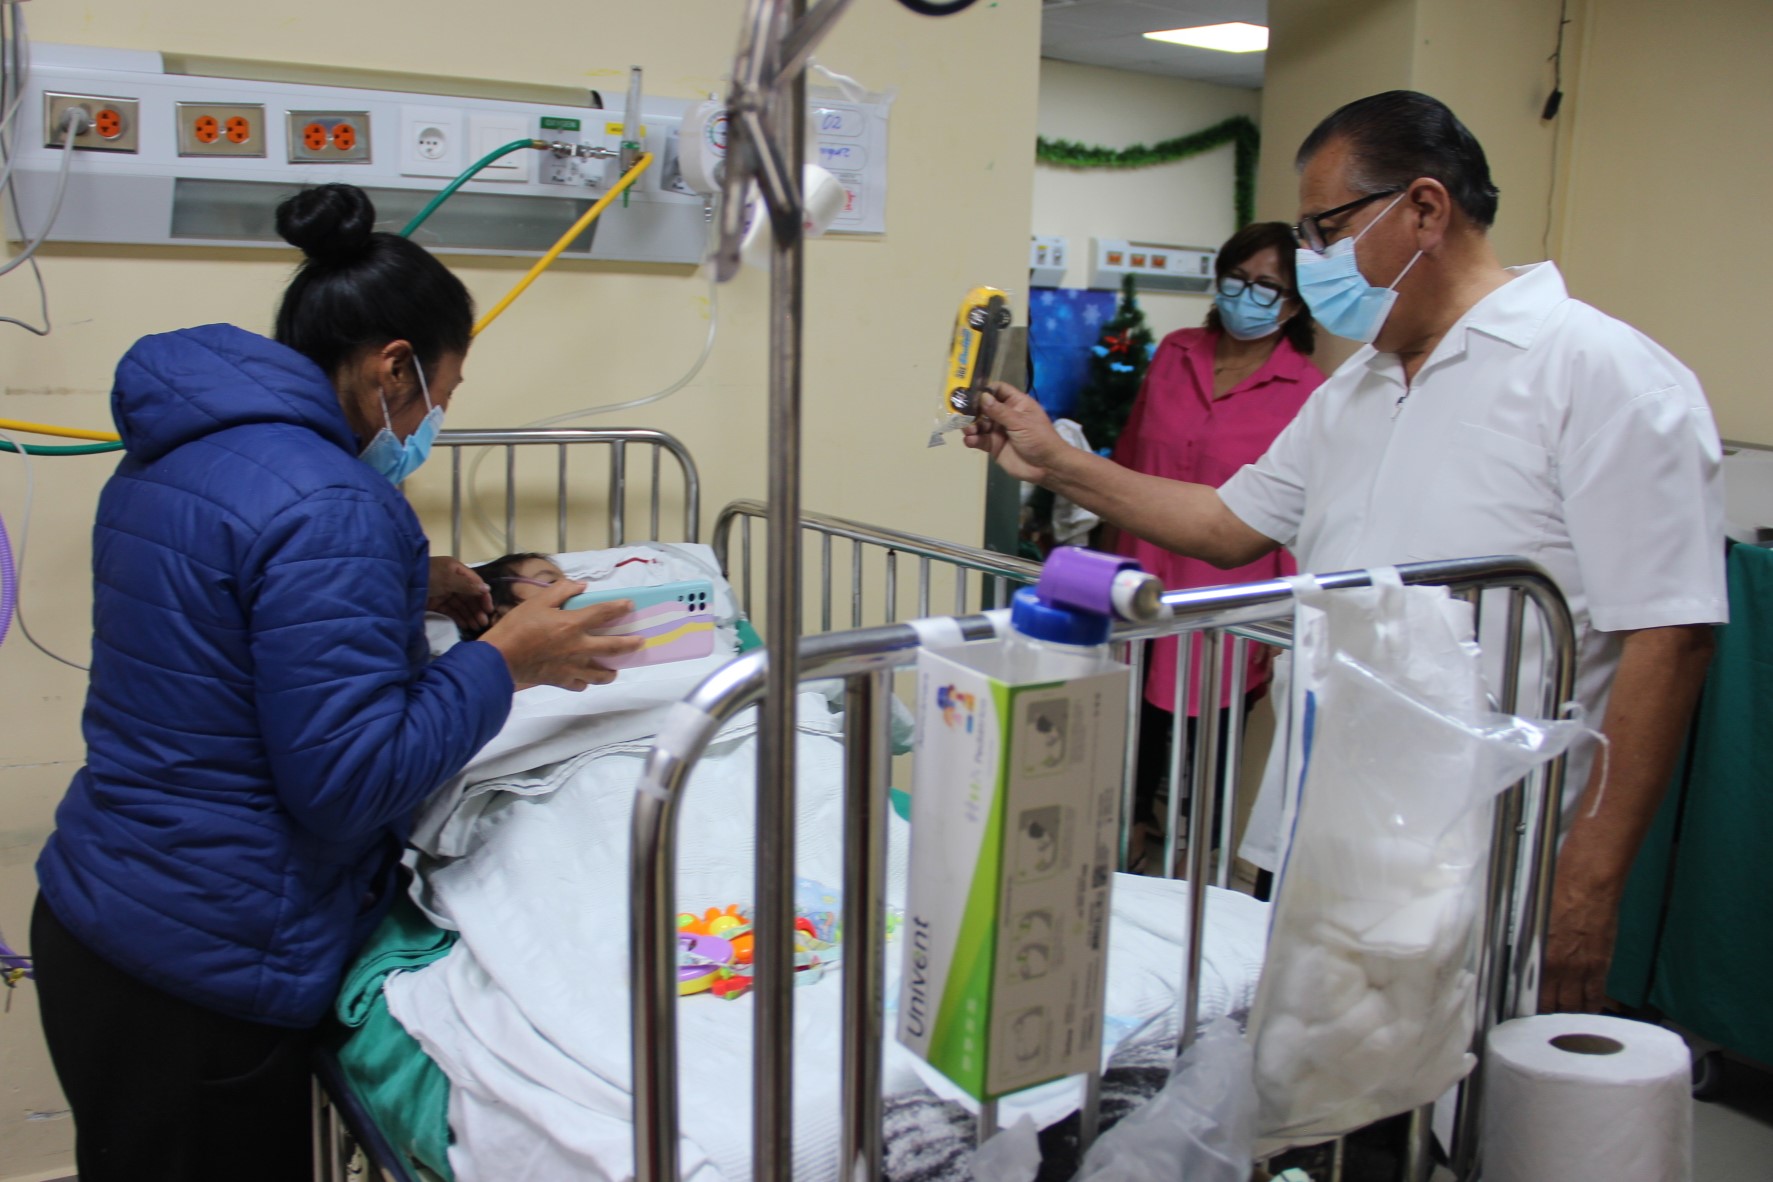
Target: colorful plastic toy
(700, 960)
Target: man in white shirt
(1492, 414)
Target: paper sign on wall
(852, 146)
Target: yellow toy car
(973, 357)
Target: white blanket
(528, 1016)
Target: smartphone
(675, 619)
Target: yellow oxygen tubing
(566, 240)
(64, 432)
(492, 314)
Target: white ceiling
(1109, 33)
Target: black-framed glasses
(1262, 293)
(1309, 230)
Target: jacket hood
(180, 386)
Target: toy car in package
(975, 357)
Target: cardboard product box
(1015, 823)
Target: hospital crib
(855, 558)
(500, 490)
(1523, 846)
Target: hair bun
(329, 224)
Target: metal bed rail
(997, 573)
(1523, 850)
(559, 469)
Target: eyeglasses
(1262, 293)
(1310, 230)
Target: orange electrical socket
(328, 137)
(221, 129)
(108, 123)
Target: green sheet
(1696, 928)
(407, 1092)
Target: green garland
(1239, 131)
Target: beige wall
(1637, 191)
(1663, 224)
(878, 313)
(1188, 203)
(1321, 54)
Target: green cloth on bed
(404, 1089)
(748, 637)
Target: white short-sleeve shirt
(1539, 427)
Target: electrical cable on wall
(18, 564)
(14, 68)
(1553, 104)
(477, 509)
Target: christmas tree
(1117, 367)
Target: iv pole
(767, 148)
(767, 110)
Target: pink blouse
(1179, 431)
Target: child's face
(539, 569)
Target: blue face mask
(1339, 296)
(393, 458)
(1246, 320)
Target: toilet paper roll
(823, 197)
(1586, 1098)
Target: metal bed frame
(997, 573)
(1232, 619)
(1524, 842)
(565, 442)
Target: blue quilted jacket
(262, 721)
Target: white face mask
(397, 459)
(1339, 296)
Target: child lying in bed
(516, 577)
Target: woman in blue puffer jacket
(262, 721)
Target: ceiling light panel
(1235, 37)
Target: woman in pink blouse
(1213, 400)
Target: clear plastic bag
(1200, 1127)
(1366, 1006)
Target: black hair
(1300, 330)
(361, 288)
(497, 575)
(1401, 135)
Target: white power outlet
(489, 132)
(431, 142)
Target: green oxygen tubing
(468, 175)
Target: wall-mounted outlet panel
(431, 141)
(220, 129)
(328, 137)
(159, 195)
(1155, 266)
(111, 122)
